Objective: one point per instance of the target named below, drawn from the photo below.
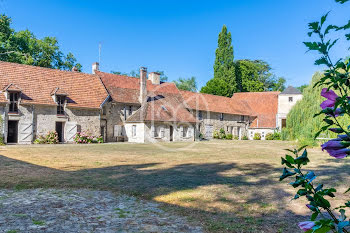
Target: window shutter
(162, 132)
(182, 131)
(153, 131)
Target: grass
(227, 186)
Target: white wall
(140, 132)
(284, 106)
(262, 132)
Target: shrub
(245, 137)
(229, 136)
(50, 138)
(235, 137)
(257, 136)
(269, 136)
(222, 134)
(83, 138)
(216, 135)
(273, 136)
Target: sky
(180, 37)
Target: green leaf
(286, 173)
(303, 159)
(290, 159)
(347, 190)
(341, 1)
(312, 45)
(302, 192)
(341, 225)
(314, 26)
(323, 18)
(322, 61)
(314, 216)
(319, 187)
(300, 148)
(330, 27)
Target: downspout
(33, 108)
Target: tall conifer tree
(224, 67)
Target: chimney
(143, 85)
(95, 66)
(154, 77)
(75, 69)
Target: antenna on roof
(99, 52)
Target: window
(290, 99)
(14, 102)
(263, 134)
(60, 99)
(242, 118)
(200, 115)
(130, 110)
(221, 116)
(124, 112)
(185, 132)
(104, 110)
(134, 130)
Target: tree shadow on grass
(256, 184)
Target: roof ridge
(46, 68)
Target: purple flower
(331, 98)
(333, 144)
(338, 153)
(307, 225)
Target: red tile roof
(214, 103)
(37, 84)
(164, 102)
(263, 104)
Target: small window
(242, 118)
(290, 99)
(14, 102)
(124, 112)
(221, 116)
(60, 104)
(263, 134)
(200, 115)
(185, 132)
(130, 110)
(104, 110)
(134, 130)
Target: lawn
(224, 185)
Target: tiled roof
(37, 84)
(125, 89)
(164, 107)
(214, 103)
(291, 91)
(263, 104)
(164, 101)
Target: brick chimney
(95, 66)
(154, 77)
(143, 85)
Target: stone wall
(114, 115)
(262, 132)
(37, 120)
(232, 124)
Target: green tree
(216, 86)
(301, 123)
(136, 74)
(302, 87)
(224, 67)
(23, 47)
(247, 76)
(187, 84)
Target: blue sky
(179, 37)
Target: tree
(187, 84)
(136, 74)
(302, 87)
(247, 76)
(216, 86)
(24, 48)
(224, 68)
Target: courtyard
(222, 186)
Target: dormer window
(14, 96)
(60, 100)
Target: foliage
(239, 76)
(229, 136)
(235, 137)
(301, 123)
(334, 85)
(222, 134)
(302, 87)
(136, 74)
(50, 138)
(23, 47)
(187, 84)
(245, 137)
(257, 136)
(216, 134)
(273, 136)
(82, 138)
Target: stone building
(35, 101)
(271, 109)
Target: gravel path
(60, 210)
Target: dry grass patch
(226, 185)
